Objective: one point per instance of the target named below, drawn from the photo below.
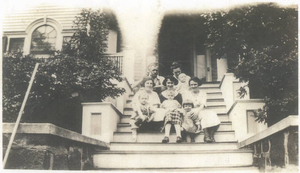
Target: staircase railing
(276, 146)
(116, 59)
(241, 116)
(229, 87)
(100, 119)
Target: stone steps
(233, 169)
(210, 95)
(210, 103)
(150, 154)
(125, 127)
(125, 118)
(143, 146)
(173, 159)
(156, 137)
(219, 109)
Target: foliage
(64, 80)
(260, 43)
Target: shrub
(64, 80)
(260, 43)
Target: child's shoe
(179, 139)
(213, 139)
(207, 139)
(165, 140)
(138, 122)
(192, 139)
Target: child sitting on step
(173, 116)
(143, 112)
(190, 125)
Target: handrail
(289, 121)
(117, 60)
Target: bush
(260, 43)
(79, 73)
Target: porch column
(221, 67)
(128, 61)
(208, 66)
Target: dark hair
(195, 79)
(192, 104)
(171, 78)
(175, 65)
(145, 79)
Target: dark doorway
(181, 38)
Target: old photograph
(149, 85)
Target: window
(66, 40)
(16, 45)
(43, 40)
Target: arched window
(43, 40)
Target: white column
(222, 68)
(208, 66)
(128, 62)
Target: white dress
(208, 118)
(159, 114)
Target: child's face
(182, 78)
(187, 108)
(144, 99)
(171, 96)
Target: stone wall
(49, 152)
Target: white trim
(14, 36)
(40, 22)
(289, 121)
(51, 129)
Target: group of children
(188, 125)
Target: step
(210, 95)
(233, 169)
(126, 117)
(215, 104)
(173, 159)
(210, 89)
(223, 136)
(215, 108)
(125, 127)
(217, 85)
(215, 100)
(121, 146)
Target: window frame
(38, 52)
(36, 24)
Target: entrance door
(200, 66)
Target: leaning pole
(12, 137)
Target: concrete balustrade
(42, 146)
(276, 148)
(242, 121)
(100, 119)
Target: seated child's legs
(133, 129)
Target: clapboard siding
(18, 21)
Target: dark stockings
(209, 133)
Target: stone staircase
(149, 153)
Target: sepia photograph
(149, 86)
